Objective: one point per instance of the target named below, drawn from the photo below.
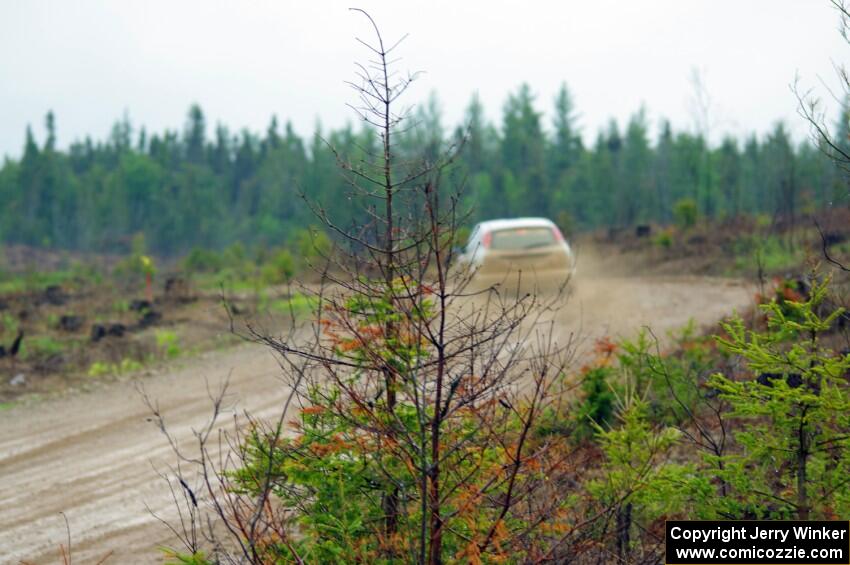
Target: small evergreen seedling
(793, 461)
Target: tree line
(207, 187)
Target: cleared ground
(92, 455)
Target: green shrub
(168, 343)
(763, 221)
(175, 558)
(203, 261)
(279, 269)
(669, 385)
(685, 213)
(297, 305)
(776, 255)
(127, 365)
(596, 410)
(636, 471)
(99, 368)
(41, 347)
(331, 476)
(234, 255)
(663, 239)
(312, 245)
(137, 265)
(795, 444)
(771, 252)
(84, 274)
(75, 276)
(8, 324)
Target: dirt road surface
(92, 455)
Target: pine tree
(523, 154)
(795, 459)
(195, 135)
(638, 198)
(565, 150)
(729, 176)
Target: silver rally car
(506, 251)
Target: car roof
(508, 223)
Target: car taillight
(487, 239)
(558, 235)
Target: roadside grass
(233, 280)
(8, 324)
(32, 281)
(44, 346)
(298, 305)
(167, 348)
(168, 344)
(771, 252)
(127, 365)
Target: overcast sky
(91, 61)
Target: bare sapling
(410, 408)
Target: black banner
(758, 542)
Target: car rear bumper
(546, 279)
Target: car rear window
(522, 238)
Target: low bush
(201, 260)
(279, 268)
(168, 344)
(126, 365)
(297, 305)
(685, 213)
(42, 347)
(663, 239)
